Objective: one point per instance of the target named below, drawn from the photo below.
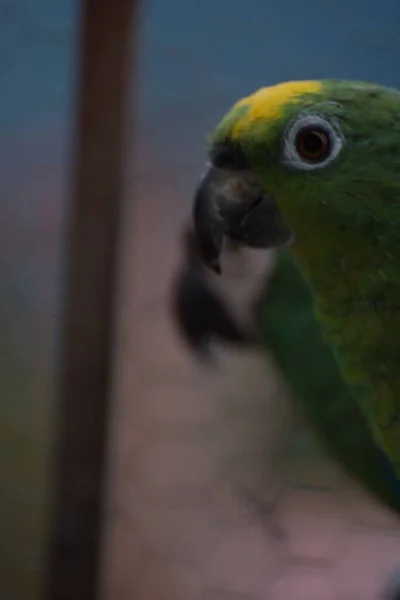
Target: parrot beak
(233, 204)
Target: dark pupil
(312, 142)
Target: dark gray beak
(233, 204)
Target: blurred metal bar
(88, 318)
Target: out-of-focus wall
(37, 51)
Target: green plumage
(315, 165)
(289, 329)
(346, 221)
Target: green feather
(346, 220)
(289, 328)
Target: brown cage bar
(85, 367)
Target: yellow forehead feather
(269, 102)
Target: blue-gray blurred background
(195, 58)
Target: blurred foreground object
(85, 370)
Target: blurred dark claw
(199, 314)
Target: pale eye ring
(311, 142)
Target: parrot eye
(311, 142)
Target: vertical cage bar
(84, 375)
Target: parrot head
(310, 164)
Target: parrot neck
(356, 283)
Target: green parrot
(312, 169)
